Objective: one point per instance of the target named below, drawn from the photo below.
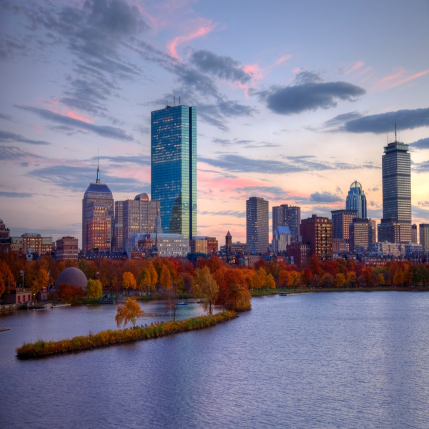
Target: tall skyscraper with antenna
(396, 170)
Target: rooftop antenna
(174, 98)
(98, 168)
(179, 100)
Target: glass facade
(356, 200)
(397, 187)
(174, 168)
(257, 230)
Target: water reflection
(321, 360)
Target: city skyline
(66, 95)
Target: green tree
(94, 289)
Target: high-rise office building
(118, 236)
(341, 219)
(257, 229)
(97, 216)
(414, 233)
(356, 200)
(396, 168)
(362, 234)
(317, 232)
(139, 217)
(174, 168)
(285, 215)
(424, 236)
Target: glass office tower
(174, 168)
(356, 200)
(396, 169)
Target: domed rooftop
(356, 184)
(73, 277)
(142, 197)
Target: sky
(295, 100)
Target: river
(321, 360)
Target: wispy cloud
(7, 137)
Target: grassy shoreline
(41, 348)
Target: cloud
(423, 203)
(6, 117)
(420, 213)
(246, 144)
(340, 120)
(268, 192)
(289, 100)
(306, 76)
(78, 179)
(224, 213)
(15, 194)
(421, 167)
(103, 131)
(122, 159)
(223, 67)
(293, 164)
(325, 197)
(385, 122)
(12, 153)
(7, 137)
(420, 144)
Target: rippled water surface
(320, 360)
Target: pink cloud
(357, 65)
(398, 78)
(202, 31)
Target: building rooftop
(99, 188)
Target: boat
(182, 303)
(283, 294)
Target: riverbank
(110, 337)
(270, 292)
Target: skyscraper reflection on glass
(174, 168)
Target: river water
(330, 360)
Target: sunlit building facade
(257, 229)
(118, 238)
(317, 232)
(286, 215)
(97, 216)
(174, 168)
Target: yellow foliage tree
(269, 282)
(285, 278)
(260, 279)
(145, 282)
(128, 280)
(128, 312)
(351, 278)
(205, 287)
(295, 279)
(399, 277)
(165, 278)
(94, 289)
(340, 280)
(380, 280)
(41, 281)
(153, 276)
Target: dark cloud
(65, 129)
(385, 122)
(6, 117)
(247, 143)
(78, 179)
(421, 167)
(339, 121)
(11, 47)
(104, 131)
(130, 159)
(222, 67)
(15, 194)
(296, 164)
(306, 76)
(225, 213)
(423, 203)
(325, 197)
(420, 144)
(289, 100)
(7, 137)
(12, 153)
(420, 213)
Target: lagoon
(319, 360)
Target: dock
(4, 329)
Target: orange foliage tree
(129, 312)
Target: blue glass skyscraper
(356, 200)
(174, 168)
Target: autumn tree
(165, 278)
(153, 276)
(94, 289)
(6, 278)
(295, 279)
(128, 281)
(41, 281)
(327, 280)
(129, 312)
(340, 280)
(205, 287)
(260, 279)
(70, 293)
(145, 283)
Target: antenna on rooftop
(174, 98)
(179, 100)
